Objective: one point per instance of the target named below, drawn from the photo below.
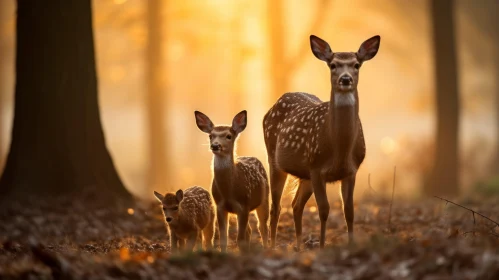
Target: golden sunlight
(388, 145)
(119, 2)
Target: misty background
(158, 61)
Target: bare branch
(472, 211)
(369, 183)
(393, 192)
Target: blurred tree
(495, 26)
(58, 144)
(3, 50)
(158, 156)
(283, 66)
(444, 176)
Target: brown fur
(316, 141)
(240, 184)
(190, 216)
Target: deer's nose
(215, 147)
(346, 80)
(169, 219)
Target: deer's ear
(321, 49)
(158, 196)
(203, 122)
(369, 48)
(179, 195)
(239, 122)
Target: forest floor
(427, 239)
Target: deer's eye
(333, 66)
(228, 136)
(357, 66)
(210, 136)
(175, 208)
(164, 208)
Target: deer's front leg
(173, 242)
(191, 240)
(181, 244)
(242, 230)
(347, 187)
(319, 187)
(222, 217)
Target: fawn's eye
(164, 208)
(228, 137)
(333, 66)
(357, 66)
(175, 208)
(210, 136)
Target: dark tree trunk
(445, 178)
(158, 163)
(3, 15)
(57, 145)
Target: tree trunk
(3, 15)
(282, 66)
(58, 144)
(280, 79)
(444, 179)
(495, 163)
(158, 158)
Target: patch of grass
(489, 187)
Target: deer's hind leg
(277, 181)
(262, 212)
(209, 233)
(302, 195)
(319, 187)
(248, 235)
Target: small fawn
(190, 215)
(240, 184)
(316, 141)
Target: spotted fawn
(240, 184)
(190, 216)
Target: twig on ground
(393, 192)
(472, 211)
(369, 183)
(369, 187)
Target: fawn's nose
(169, 219)
(215, 147)
(346, 80)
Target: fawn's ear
(158, 196)
(239, 122)
(179, 195)
(203, 122)
(321, 49)
(369, 48)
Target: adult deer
(318, 142)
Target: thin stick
(472, 211)
(393, 192)
(369, 183)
